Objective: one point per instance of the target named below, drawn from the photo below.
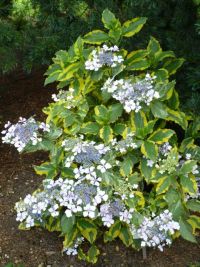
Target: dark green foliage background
(31, 31)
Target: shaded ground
(25, 96)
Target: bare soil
(25, 96)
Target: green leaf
(159, 110)
(161, 136)
(115, 111)
(140, 64)
(173, 65)
(135, 56)
(188, 166)
(174, 102)
(9, 265)
(109, 20)
(87, 229)
(177, 209)
(125, 236)
(83, 108)
(126, 167)
(153, 46)
(93, 254)
(166, 90)
(113, 231)
(78, 46)
(149, 150)
(53, 74)
(194, 221)
(186, 231)
(67, 224)
(96, 37)
(164, 54)
(106, 133)
(52, 224)
(143, 132)
(193, 204)
(138, 120)
(54, 134)
(70, 237)
(131, 27)
(115, 34)
(119, 128)
(189, 184)
(90, 128)
(178, 117)
(47, 169)
(161, 75)
(68, 72)
(101, 114)
(163, 185)
(186, 144)
(146, 171)
(172, 196)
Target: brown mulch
(25, 96)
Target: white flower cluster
(156, 231)
(123, 145)
(85, 152)
(106, 56)
(165, 149)
(67, 97)
(73, 250)
(74, 196)
(82, 196)
(167, 162)
(132, 94)
(23, 132)
(115, 209)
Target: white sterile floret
(105, 56)
(188, 156)
(106, 215)
(69, 161)
(132, 94)
(126, 216)
(77, 172)
(29, 222)
(39, 207)
(54, 210)
(73, 250)
(49, 184)
(55, 98)
(29, 199)
(45, 127)
(21, 216)
(100, 196)
(68, 213)
(102, 149)
(104, 166)
(89, 211)
(150, 163)
(195, 169)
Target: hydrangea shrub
(123, 159)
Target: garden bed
(25, 96)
